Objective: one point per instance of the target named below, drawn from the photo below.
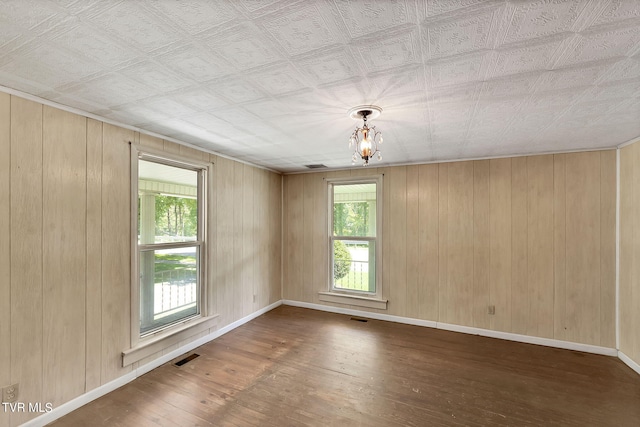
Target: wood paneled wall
(65, 249)
(5, 245)
(630, 251)
(534, 236)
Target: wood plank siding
(629, 315)
(533, 236)
(65, 230)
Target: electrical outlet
(492, 309)
(10, 393)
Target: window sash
(138, 337)
(149, 325)
(355, 238)
(376, 239)
(371, 281)
(170, 245)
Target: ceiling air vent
(318, 166)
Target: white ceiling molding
(126, 126)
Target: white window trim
(164, 337)
(357, 298)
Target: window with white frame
(354, 237)
(170, 246)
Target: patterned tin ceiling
(270, 81)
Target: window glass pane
(354, 266)
(169, 286)
(354, 210)
(168, 205)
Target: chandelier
(365, 140)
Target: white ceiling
(271, 81)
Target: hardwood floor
(300, 367)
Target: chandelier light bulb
(365, 147)
(365, 140)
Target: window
(170, 242)
(354, 239)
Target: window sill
(156, 343)
(360, 301)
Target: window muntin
(354, 229)
(170, 243)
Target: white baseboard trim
(367, 314)
(92, 395)
(629, 362)
(528, 339)
(72, 405)
(548, 342)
